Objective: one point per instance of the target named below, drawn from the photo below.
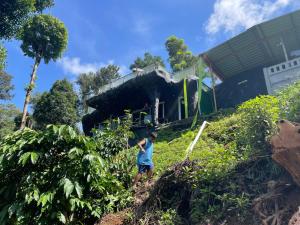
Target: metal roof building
(240, 61)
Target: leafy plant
(289, 102)
(55, 177)
(258, 123)
(113, 137)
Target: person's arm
(141, 144)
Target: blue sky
(117, 31)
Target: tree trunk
(286, 148)
(28, 92)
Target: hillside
(230, 178)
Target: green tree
(8, 112)
(14, 13)
(43, 37)
(5, 86)
(179, 56)
(85, 83)
(2, 57)
(40, 5)
(104, 76)
(59, 106)
(147, 61)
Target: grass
(216, 143)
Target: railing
(281, 67)
(117, 82)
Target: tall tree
(43, 37)
(104, 76)
(14, 13)
(147, 61)
(58, 106)
(85, 83)
(179, 56)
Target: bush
(113, 137)
(289, 102)
(258, 123)
(55, 177)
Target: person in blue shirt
(144, 158)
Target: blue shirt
(145, 158)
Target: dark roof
(256, 47)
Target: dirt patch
(118, 218)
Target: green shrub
(55, 177)
(289, 102)
(113, 137)
(258, 123)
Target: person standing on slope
(144, 158)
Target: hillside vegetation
(57, 176)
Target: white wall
(282, 75)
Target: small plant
(168, 217)
(113, 137)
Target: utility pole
(281, 43)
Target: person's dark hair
(153, 134)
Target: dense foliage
(90, 83)
(56, 177)
(2, 57)
(8, 113)
(14, 13)
(85, 83)
(258, 123)
(289, 102)
(44, 37)
(5, 86)
(58, 106)
(179, 56)
(147, 61)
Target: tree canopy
(58, 106)
(14, 13)
(179, 56)
(44, 37)
(89, 83)
(8, 112)
(147, 61)
(85, 83)
(5, 86)
(104, 76)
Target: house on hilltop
(151, 94)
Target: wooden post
(156, 108)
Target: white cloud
(233, 16)
(141, 26)
(73, 65)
